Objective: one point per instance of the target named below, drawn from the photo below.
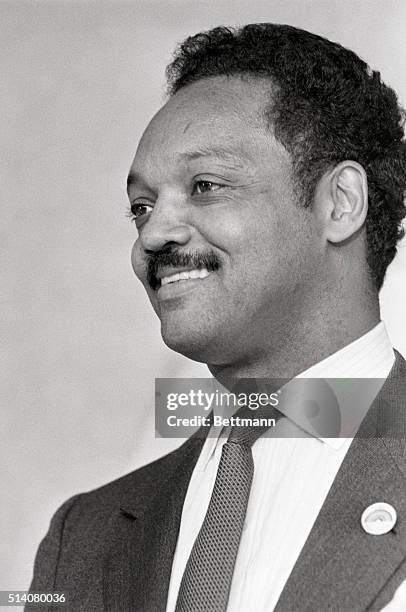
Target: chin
(196, 344)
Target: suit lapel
(340, 562)
(144, 533)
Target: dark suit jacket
(112, 549)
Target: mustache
(178, 259)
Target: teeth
(193, 274)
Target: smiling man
(212, 192)
(268, 198)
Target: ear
(343, 200)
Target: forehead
(221, 113)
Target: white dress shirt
(292, 477)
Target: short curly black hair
(328, 106)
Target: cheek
(273, 252)
(222, 228)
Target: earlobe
(348, 196)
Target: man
(268, 198)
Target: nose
(165, 226)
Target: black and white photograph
(204, 382)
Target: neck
(293, 349)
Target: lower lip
(179, 288)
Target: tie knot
(252, 424)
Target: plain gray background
(79, 82)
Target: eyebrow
(236, 156)
(134, 178)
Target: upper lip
(169, 270)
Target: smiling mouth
(185, 276)
(173, 267)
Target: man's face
(226, 255)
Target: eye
(138, 210)
(205, 186)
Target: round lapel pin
(379, 518)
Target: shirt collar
(370, 356)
